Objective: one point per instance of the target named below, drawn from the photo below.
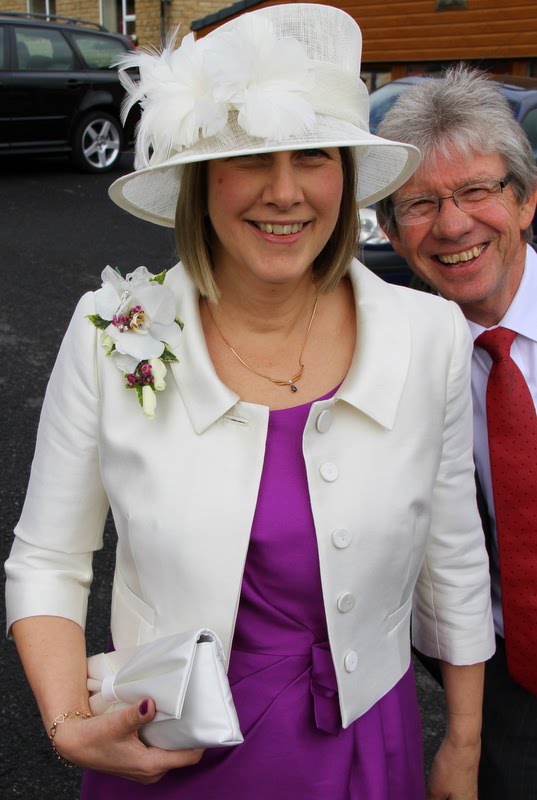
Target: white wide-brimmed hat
(285, 77)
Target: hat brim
(382, 166)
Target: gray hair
(463, 111)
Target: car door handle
(74, 82)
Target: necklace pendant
(294, 388)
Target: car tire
(97, 142)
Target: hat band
(339, 94)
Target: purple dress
(282, 676)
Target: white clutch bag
(184, 675)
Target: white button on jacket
(346, 602)
(341, 538)
(324, 421)
(351, 661)
(329, 471)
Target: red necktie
(512, 433)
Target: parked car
(58, 90)
(375, 249)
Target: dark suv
(58, 91)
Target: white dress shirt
(521, 317)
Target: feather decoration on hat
(189, 91)
(175, 97)
(263, 77)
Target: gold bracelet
(58, 721)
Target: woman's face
(273, 213)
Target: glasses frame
(453, 196)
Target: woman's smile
(278, 228)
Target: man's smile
(462, 257)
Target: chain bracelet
(58, 721)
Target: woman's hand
(109, 743)
(453, 773)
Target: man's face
(476, 259)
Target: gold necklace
(291, 382)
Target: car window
(42, 50)
(529, 123)
(99, 52)
(382, 100)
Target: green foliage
(167, 355)
(159, 278)
(98, 321)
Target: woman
(307, 477)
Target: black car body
(58, 90)
(376, 251)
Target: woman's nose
(283, 187)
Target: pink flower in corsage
(137, 317)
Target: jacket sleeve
(451, 608)
(49, 570)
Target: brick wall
(84, 9)
(13, 5)
(178, 12)
(148, 14)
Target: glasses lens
(420, 209)
(467, 197)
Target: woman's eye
(250, 159)
(314, 153)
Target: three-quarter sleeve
(451, 609)
(49, 569)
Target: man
(463, 223)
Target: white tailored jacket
(390, 476)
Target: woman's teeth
(279, 230)
(466, 255)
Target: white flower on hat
(188, 92)
(175, 96)
(263, 77)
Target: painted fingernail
(142, 708)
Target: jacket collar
(375, 379)
(205, 397)
(378, 372)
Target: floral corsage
(137, 317)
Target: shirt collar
(520, 316)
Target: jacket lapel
(205, 397)
(380, 365)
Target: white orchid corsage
(137, 317)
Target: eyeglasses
(468, 198)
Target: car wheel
(97, 142)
